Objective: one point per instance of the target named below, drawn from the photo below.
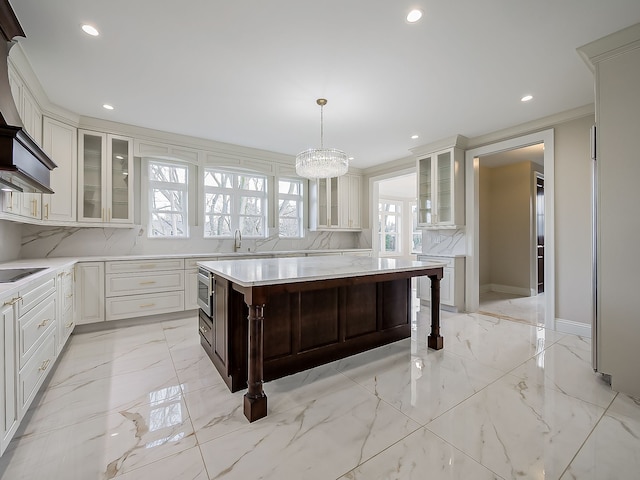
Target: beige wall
(10, 240)
(573, 227)
(510, 226)
(484, 227)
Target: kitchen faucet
(237, 240)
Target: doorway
(472, 190)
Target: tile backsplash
(43, 241)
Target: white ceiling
(249, 72)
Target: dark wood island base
(292, 327)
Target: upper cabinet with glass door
(105, 178)
(335, 203)
(441, 188)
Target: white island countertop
(274, 271)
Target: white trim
(472, 277)
(574, 328)
(510, 289)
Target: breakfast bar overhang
(306, 311)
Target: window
(168, 197)
(389, 226)
(290, 208)
(416, 233)
(234, 201)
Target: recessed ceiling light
(414, 15)
(413, 137)
(526, 98)
(119, 157)
(90, 30)
(350, 158)
(106, 106)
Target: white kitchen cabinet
(60, 142)
(451, 285)
(89, 292)
(8, 379)
(105, 178)
(66, 312)
(441, 188)
(141, 288)
(26, 105)
(335, 203)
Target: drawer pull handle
(151, 282)
(203, 329)
(148, 265)
(44, 365)
(147, 305)
(69, 325)
(43, 323)
(69, 295)
(13, 301)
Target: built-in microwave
(206, 292)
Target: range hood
(24, 167)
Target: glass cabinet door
(92, 181)
(334, 217)
(445, 187)
(323, 206)
(425, 189)
(120, 164)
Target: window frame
(382, 222)
(150, 187)
(300, 204)
(236, 193)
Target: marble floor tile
(105, 446)
(194, 368)
(611, 451)
(494, 342)
(423, 385)
(529, 310)
(420, 455)
(519, 429)
(566, 366)
(186, 465)
(75, 403)
(182, 332)
(320, 440)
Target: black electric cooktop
(14, 274)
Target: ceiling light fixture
(90, 30)
(413, 137)
(106, 106)
(414, 15)
(321, 162)
(526, 98)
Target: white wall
(573, 228)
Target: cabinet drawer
(448, 261)
(193, 262)
(125, 266)
(65, 329)
(134, 283)
(35, 371)
(35, 295)
(142, 305)
(34, 326)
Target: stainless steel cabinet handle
(43, 323)
(44, 365)
(69, 325)
(146, 305)
(151, 282)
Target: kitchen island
(306, 311)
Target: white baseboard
(486, 288)
(523, 291)
(572, 327)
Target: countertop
(274, 271)
(53, 264)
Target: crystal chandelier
(321, 162)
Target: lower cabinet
(8, 392)
(32, 334)
(451, 285)
(141, 288)
(89, 292)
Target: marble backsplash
(444, 242)
(43, 241)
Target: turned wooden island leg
(255, 400)
(435, 340)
